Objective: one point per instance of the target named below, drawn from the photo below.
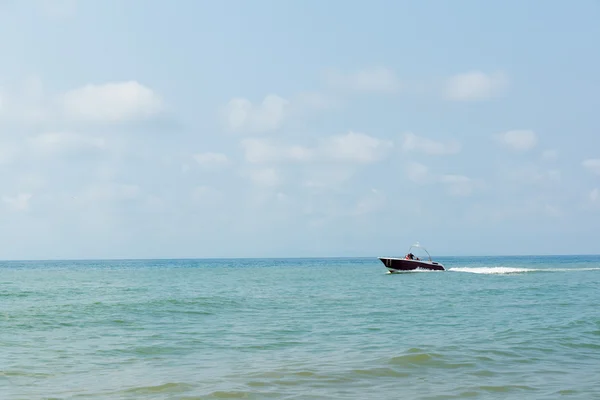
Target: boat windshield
(418, 252)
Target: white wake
(512, 270)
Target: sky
(193, 129)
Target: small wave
(16, 373)
(413, 357)
(504, 388)
(170, 387)
(222, 394)
(513, 270)
(380, 372)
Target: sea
(334, 328)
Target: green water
(489, 328)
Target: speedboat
(410, 262)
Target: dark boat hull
(401, 264)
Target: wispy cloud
(112, 102)
(374, 80)
(475, 86)
(242, 115)
(412, 143)
(519, 140)
(592, 165)
(353, 147)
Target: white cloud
(324, 165)
(19, 202)
(592, 165)
(268, 177)
(417, 172)
(376, 79)
(111, 102)
(242, 115)
(475, 85)
(412, 142)
(519, 140)
(595, 195)
(530, 174)
(354, 147)
(93, 103)
(262, 151)
(211, 160)
(458, 185)
(61, 142)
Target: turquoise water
(489, 328)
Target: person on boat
(411, 256)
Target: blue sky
(306, 128)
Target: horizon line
(286, 258)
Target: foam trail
(412, 271)
(512, 270)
